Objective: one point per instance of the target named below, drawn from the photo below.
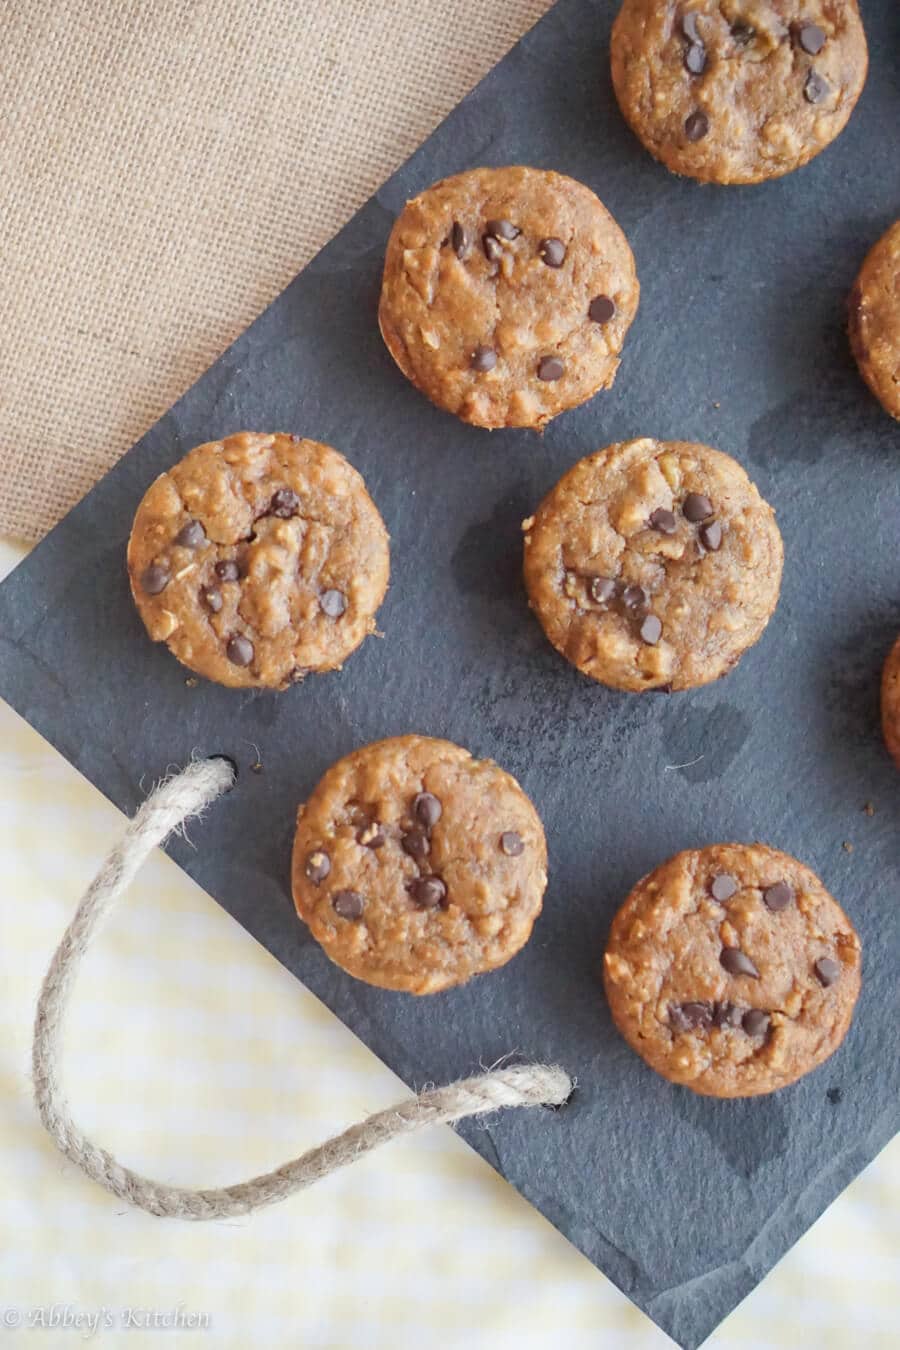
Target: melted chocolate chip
(511, 844)
(284, 504)
(634, 597)
(458, 241)
(742, 33)
(228, 571)
(239, 650)
(695, 59)
(155, 579)
(726, 1015)
(723, 887)
(817, 88)
(688, 1016)
(348, 904)
(317, 866)
(711, 536)
(651, 630)
(333, 603)
(601, 309)
(427, 809)
(428, 892)
(809, 37)
(737, 962)
(552, 251)
(212, 599)
(493, 251)
(372, 835)
(696, 507)
(778, 896)
(502, 229)
(663, 521)
(191, 535)
(755, 1022)
(416, 844)
(602, 589)
(550, 368)
(483, 358)
(827, 971)
(696, 126)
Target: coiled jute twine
(165, 810)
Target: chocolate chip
(602, 589)
(816, 88)
(651, 630)
(697, 1014)
(493, 251)
(723, 887)
(317, 866)
(191, 535)
(689, 26)
(228, 571)
(212, 598)
(552, 251)
(663, 520)
(428, 892)
(239, 650)
(416, 844)
(458, 241)
(550, 368)
(427, 809)
(827, 970)
(483, 358)
(696, 507)
(737, 962)
(742, 33)
(348, 904)
(711, 536)
(634, 597)
(755, 1022)
(726, 1015)
(601, 309)
(333, 603)
(687, 1016)
(284, 504)
(778, 896)
(695, 59)
(511, 844)
(696, 126)
(155, 579)
(372, 835)
(503, 229)
(809, 36)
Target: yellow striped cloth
(197, 1058)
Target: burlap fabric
(166, 167)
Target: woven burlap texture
(167, 167)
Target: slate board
(684, 1202)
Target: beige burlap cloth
(166, 167)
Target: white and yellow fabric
(197, 1058)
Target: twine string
(165, 810)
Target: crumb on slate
(869, 808)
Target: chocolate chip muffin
(507, 295)
(258, 559)
(731, 970)
(737, 91)
(890, 702)
(653, 564)
(417, 866)
(874, 320)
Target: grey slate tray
(684, 1202)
